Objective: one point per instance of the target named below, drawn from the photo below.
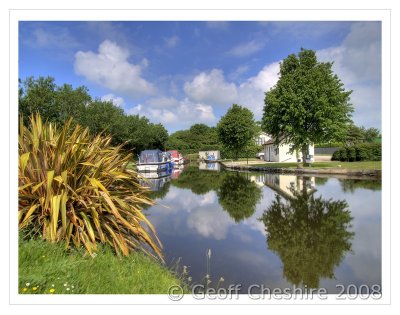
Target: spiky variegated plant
(76, 187)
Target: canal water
(271, 231)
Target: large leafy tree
(308, 104)
(237, 129)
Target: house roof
(272, 140)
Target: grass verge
(368, 165)
(46, 268)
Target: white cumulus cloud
(357, 62)
(211, 88)
(110, 68)
(116, 100)
(182, 115)
(252, 92)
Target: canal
(270, 230)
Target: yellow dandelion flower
(52, 290)
(24, 289)
(34, 288)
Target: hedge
(359, 152)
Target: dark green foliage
(59, 103)
(308, 104)
(359, 152)
(54, 103)
(199, 137)
(236, 130)
(328, 145)
(356, 135)
(343, 154)
(310, 235)
(351, 154)
(336, 155)
(238, 196)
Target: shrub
(336, 155)
(351, 154)
(376, 149)
(77, 188)
(360, 152)
(343, 154)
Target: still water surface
(278, 231)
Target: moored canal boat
(154, 161)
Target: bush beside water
(359, 152)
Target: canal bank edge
(302, 171)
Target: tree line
(57, 103)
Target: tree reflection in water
(311, 235)
(238, 196)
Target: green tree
(310, 235)
(355, 134)
(38, 96)
(307, 105)
(199, 137)
(59, 103)
(236, 130)
(102, 116)
(157, 136)
(71, 102)
(54, 103)
(371, 134)
(238, 196)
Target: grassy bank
(368, 165)
(46, 268)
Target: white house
(262, 138)
(273, 153)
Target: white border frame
(196, 15)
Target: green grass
(368, 165)
(48, 267)
(245, 159)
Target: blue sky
(181, 73)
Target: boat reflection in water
(177, 171)
(155, 181)
(211, 166)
